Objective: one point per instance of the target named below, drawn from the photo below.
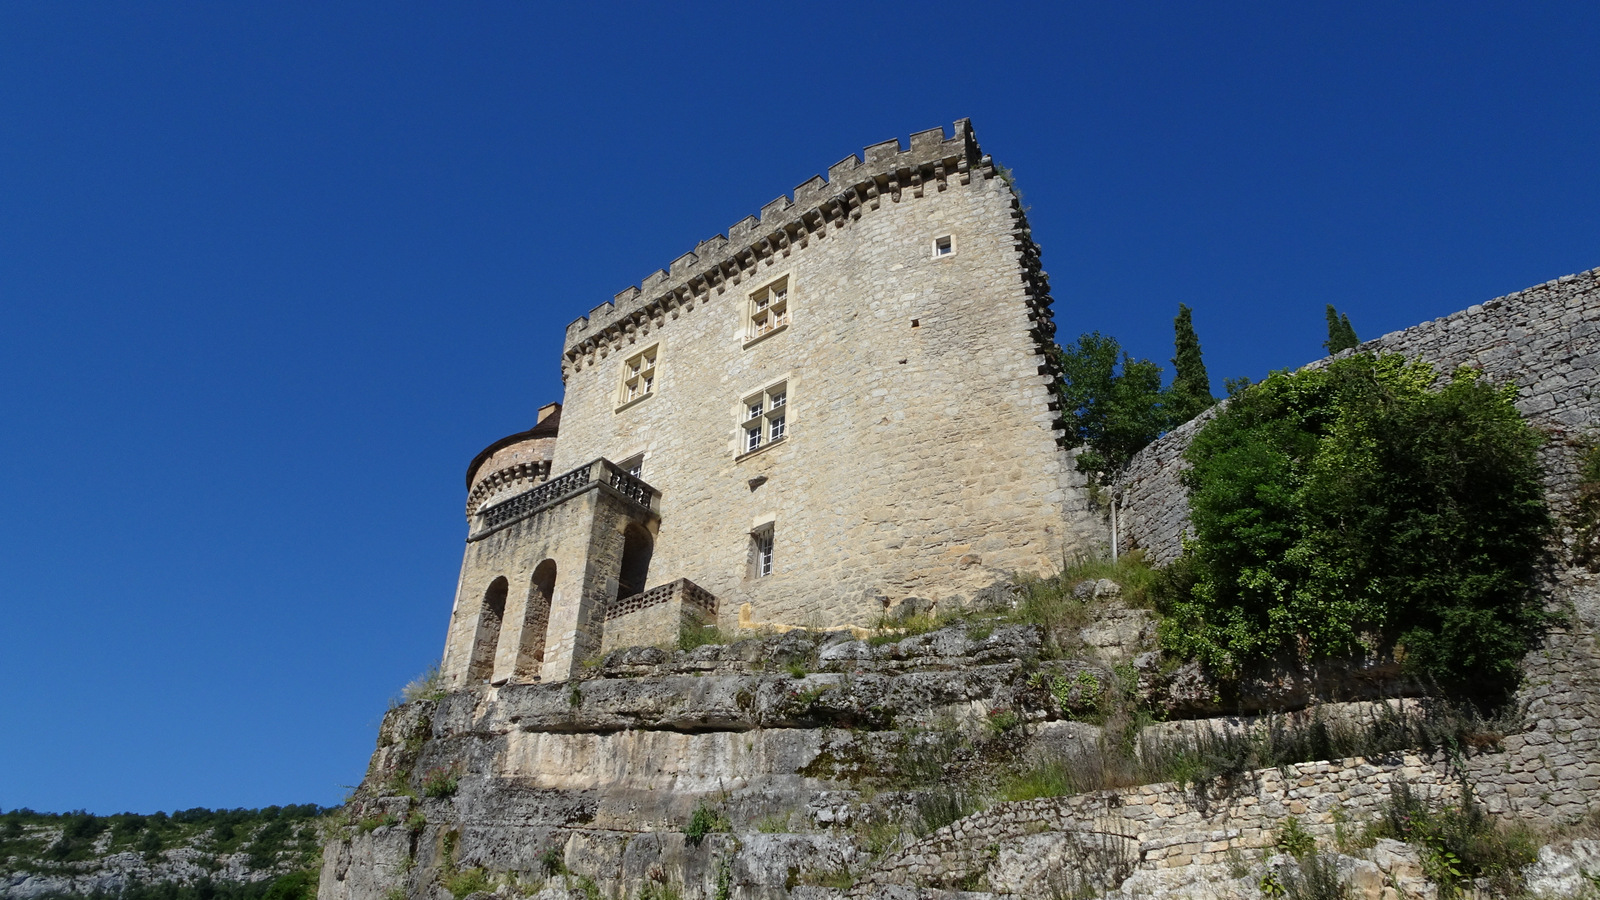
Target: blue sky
(271, 274)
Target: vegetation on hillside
(1356, 508)
(274, 837)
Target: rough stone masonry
(860, 374)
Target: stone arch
(535, 621)
(637, 546)
(491, 612)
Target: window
(768, 311)
(633, 465)
(761, 551)
(638, 376)
(765, 417)
(944, 246)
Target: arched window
(541, 590)
(490, 615)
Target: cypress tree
(1341, 335)
(1190, 393)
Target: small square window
(765, 417)
(638, 376)
(768, 310)
(944, 246)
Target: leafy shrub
(554, 861)
(1339, 508)
(374, 822)
(703, 821)
(1457, 842)
(1292, 838)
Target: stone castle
(838, 414)
(841, 406)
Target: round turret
(514, 463)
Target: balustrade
(562, 486)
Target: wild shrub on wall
(1357, 506)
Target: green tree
(1356, 507)
(1341, 335)
(1190, 393)
(1111, 402)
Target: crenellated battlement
(852, 184)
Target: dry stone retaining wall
(1171, 826)
(1546, 340)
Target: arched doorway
(637, 545)
(541, 591)
(490, 614)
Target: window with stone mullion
(765, 418)
(769, 309)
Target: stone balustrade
(558, 489)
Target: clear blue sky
(271, 274)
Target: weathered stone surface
(608, 771)
(892, 356)
(1565, 871)
(760, 769)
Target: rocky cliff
(985, 758)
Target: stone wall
(1550, 772)
(546, 637)
(514, 463)
(658, 616)
(1165, 826)
(920, 455)
(1153, 505)
(1545, 340)
(789, 737)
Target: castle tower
(841, 405)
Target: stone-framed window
(761, 542)
(944, 246)
(765, 418)
(767, 310)
(633, 465)
(638, 376)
